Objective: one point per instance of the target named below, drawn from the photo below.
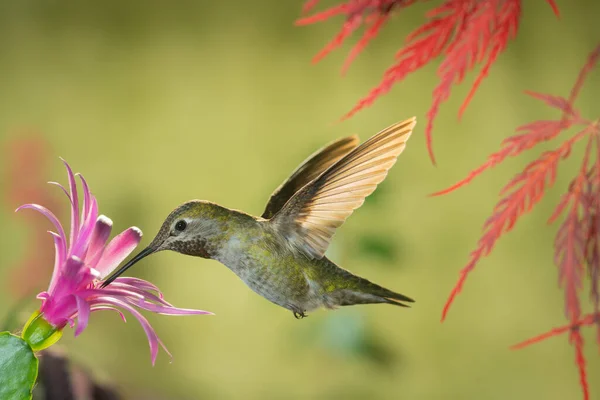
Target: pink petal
(137, 282)
(92, 216)
(100, 308)
(72, 269)
(60, 310)
(83, 314)
(165, 310)
(86, 199)
(43, 296)
(70, 278)
(153, 340)
(165, 349)
(88, 224)
(117, 250)
(48, 214)
(110, 291)
(90, 205)
(142, 293)
(74, 204)
(100, 235)
(59, 257)
(63, 189)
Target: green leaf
(18, 368)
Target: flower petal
(71, 277)
(110, 291)
(62, 188)
(60, 256)
(48, 214)
(117, 250)
(153, 340)
(74, 205)
(165, 310)
(92, 216)
(83, 314)
(86, 199)
(43, 296)
(100, 308)
(142, 293)
(90, 205)
(88, 224)
(100, 235)
(137, 282)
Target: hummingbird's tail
(383, 295)
(363, 291)
(395, 298)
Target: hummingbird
(281, 254)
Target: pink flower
(85, 259)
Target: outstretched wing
(309, 219)
(311, 168)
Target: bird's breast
(273, 274)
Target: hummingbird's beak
(146, 252)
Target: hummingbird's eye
(180, 226)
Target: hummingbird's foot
(298, 312)
(299, 315)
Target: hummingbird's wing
(311, 168)
(309, 219)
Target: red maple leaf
(577, 243)
(464, 32)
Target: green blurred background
(160, 102)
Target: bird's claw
(299, 315)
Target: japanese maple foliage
(577, 242)
(464, 32)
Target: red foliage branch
(524, 191)
(577, 243)
(466, 33)
(575, 338)
(463, 32)
(593, 241)
(588, 320)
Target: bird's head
(192, 228)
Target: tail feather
(348, 289)
(392, 297)
(366, 292)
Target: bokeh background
(160, 102)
